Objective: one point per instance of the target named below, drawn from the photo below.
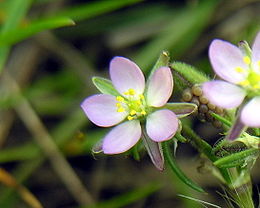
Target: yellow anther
(130, 118)
(118, 105)
(244, 83)
(120, 110)
(141, 96)
(247, 60)
(143, 112)
(132, 112)
(131, 92)
(239, 69)
(120, 99)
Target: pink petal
(225, 58)
(101, 110)
(126, 75)
(250, 114)
(256, 51)
(161, 125)
(223, 94)
(122, 137)
(160, 87)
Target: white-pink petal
(256, 52)
(101, 109)
(161, 125)
(223, 94)
(225, 58)
(126, 75)
(250, 114)
(159, 87)
(122, 137)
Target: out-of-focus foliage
(52, 49)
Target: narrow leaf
(235, 157)
(105, 86)
(175, 168)
(16, 10)
(18, 34)
(222, 119)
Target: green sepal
(176, 169)
(163, 60)
(237, 159)
(186, 75)
(105, 86)
(181, 109)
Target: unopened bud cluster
(205, 108)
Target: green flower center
(134, 104)
(252, 80)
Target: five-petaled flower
(135, 106)
(241, 71)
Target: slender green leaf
(235, 158)
(15, 12)
(20, 33)
(105, 86)
(222, 119)
(175, 168)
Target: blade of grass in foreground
(20, 33)
(15, 12)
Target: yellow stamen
(120, 99)
(244, 83)
(247, 60)
(120, 110)
(239, 69)
(142, 97)
(118, 105)
(130, 92)
(133, 112)
(143, 112)
(130, 118)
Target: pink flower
(241, 72)
(136, 105)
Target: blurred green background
(50, 49)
